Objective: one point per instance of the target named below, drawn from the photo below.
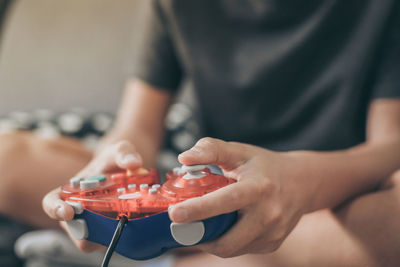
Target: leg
(363, 232)
(30, 167)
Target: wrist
(302, 184)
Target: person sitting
(300, 103)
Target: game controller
(100, 201)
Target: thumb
(228, 155)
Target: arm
(337, 176)
(275, 189)
(140, 119)
(134, 140)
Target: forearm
(140, 119)
(333, 177)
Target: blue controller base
(149, 237)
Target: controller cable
(114, 241)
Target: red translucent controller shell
(137, 203)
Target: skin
(28, 172)
(133, 142)
(275, 190)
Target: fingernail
(130, 158)
(61, 212)
(180, 214)
(170, 208)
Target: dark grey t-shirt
(282, 74)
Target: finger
(214, 151)
(83, 245)
(56, 208)
(125, 156)
(236, 241)
(224, 200)
(121, 155)
(128, 160)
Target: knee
(12, 146)
(13, 149)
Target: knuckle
(122, 145)
(206, 141)
(265, 222)
(275, 245)
(277, 215)
(84, 246)
(264, 187)
(396, 178)
(392, 182)
(277, 238)
(273, 218)
(236, 197)
(220, 249)
(225, 253)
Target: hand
(121, 155)
(268, 195)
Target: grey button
(78, 229)
(156, 186)
(193, 168)
(74, 181)
(120, 190)
(131, 186)
(144, 186)
(88, 184)
(152, 190)
(190, 176)
(177, 171)
(130, 196)
(77, 206)
(187, 234)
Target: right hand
(121, 155)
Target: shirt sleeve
(387, 81)
(154, 59)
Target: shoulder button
(187, 234)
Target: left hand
(269, 195)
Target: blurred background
(58, 54)
(63, 65)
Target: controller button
(177, 171)
(144, 186)
(78, 209)
(156, 186)
(120, 190)
(193, 168)
(187, 234)
(74, 181)
(194, 175)
(131, 186)
(88, 184)
(130, 196)
(78, 229)
(153, 190)
(100, 178)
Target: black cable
(114, 241)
